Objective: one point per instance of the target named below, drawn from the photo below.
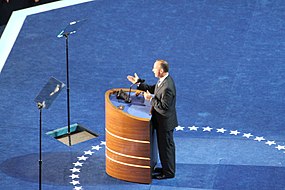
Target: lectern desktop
(131, 151)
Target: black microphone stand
(129, 100)
(138, 81)
(40, 107)
(67, 88)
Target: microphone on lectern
(138, 81)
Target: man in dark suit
(162, 97)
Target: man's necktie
(158, 83)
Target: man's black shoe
(157, 170)
(162, 176)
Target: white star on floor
(89, 152)
(103, 143)
(74, 170)
(78, 188)
(247, 135)
(207, 128)
(270, 143)
(259, 139)
(82, 158)
(78, 164)
(96, 147)
(74, 182)
(234, 132)
(179, 128)
(193, 128)
(73, 176)
(279, 147)
(222, 130)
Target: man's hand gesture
(147, 95)
(133, 79)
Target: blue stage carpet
(226, 57)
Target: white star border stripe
(179, 128)
(259, 139)
(82, 158)
(236, 132)
(233, 132)
(193, 128)
(79, 163)
(270, 143)
(75, 170)
(73, 176)
(247, 135)
(74, 182)
(208, 129)
(279, 147)
(96, 147)
(89, 152)
(221, 130)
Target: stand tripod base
(77, 134)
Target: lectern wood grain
(128, 154)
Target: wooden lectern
(130, 141)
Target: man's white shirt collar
(162, 79)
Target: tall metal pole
(67, 89)
(40, 159)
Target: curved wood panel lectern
(129, 152)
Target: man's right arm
(145, 87)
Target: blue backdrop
(226, 57)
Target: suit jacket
(164, 104)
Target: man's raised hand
(133, 79)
